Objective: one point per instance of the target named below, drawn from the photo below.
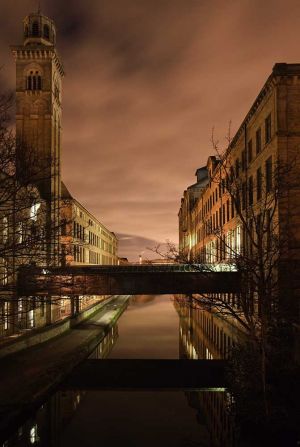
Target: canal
(152, 327)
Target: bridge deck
(124, 280)
(147, 374)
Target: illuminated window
(238, 240)
(6, 312)
(4, 229)
(34, 210)
(31, 318)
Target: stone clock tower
(39, 74)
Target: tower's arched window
(35, 29)
(34, 81)
(46, 31)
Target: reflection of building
(47, 426)
(68, 233)
(204, 336)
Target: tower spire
(39, 7)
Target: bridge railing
(132, 279)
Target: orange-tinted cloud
(146, 81)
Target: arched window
(46, 31)
(35, 29)
(34, 81)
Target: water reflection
(46, 427)
(150, 328)
(203, 336)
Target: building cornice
(38, 53)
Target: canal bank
(29, 376)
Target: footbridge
(128, 280)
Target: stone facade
(39, 74)
(61, 231)
(85, 240)
(259, 173)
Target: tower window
(46, 31)
(35, 29)
(34, 81)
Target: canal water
(152, 327)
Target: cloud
(131, 246)
(146, 81)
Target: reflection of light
(33, 436)
(209, 356)
(195, 355)
(214, 390)
(33, 211)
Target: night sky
(146, 80)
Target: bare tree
(28, 235)
(249, 234)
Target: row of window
(93, 224)
(34, 81)
(93, 257)
(227, 210)
(247, 157)
(231, 244)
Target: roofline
(88, 212)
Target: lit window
(34, 210)
(4, 229)
(6, 311)
(238, 240)
(33, 435)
